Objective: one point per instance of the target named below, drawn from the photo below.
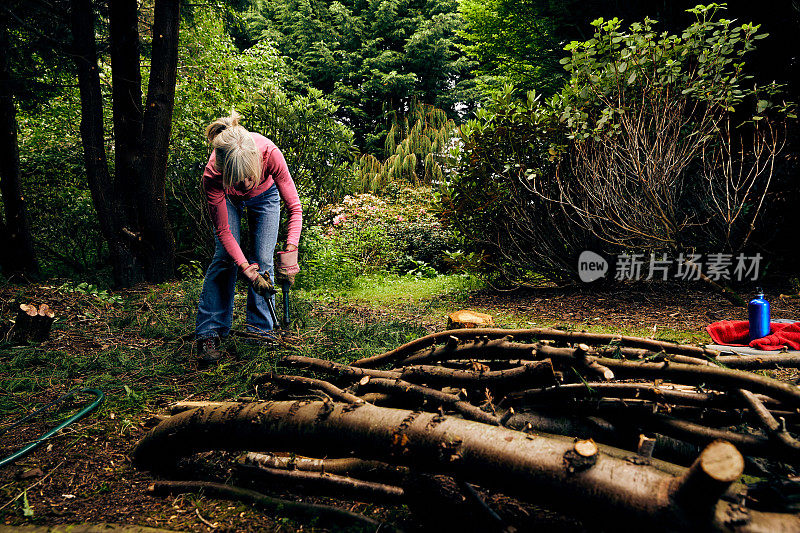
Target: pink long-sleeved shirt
(275, 171)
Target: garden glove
(260, 284)
(286, 267)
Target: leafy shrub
(60, 209)
(502, 225)
(417, 148)
(101, 295)
(657, 154)
(367, 234)
(639, 151)
(324, 264)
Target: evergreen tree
(372, 57)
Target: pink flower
(401, 219)
(338, 219)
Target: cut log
(700, 488)
(466, 318)
(529, 466)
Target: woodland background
(484, 105)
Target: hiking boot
(208, 353)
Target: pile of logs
(596, 425)
(32, 324)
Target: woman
(246, 171)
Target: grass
(140, 351)
(389, 289)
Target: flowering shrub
(366, 233)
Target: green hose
(77, 416)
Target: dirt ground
(84, 474)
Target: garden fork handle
(285, 288)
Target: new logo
(591, 266)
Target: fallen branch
(347, 466)
(774, 428)
(306, 383)
(533, 372)
(330, 484)
(698, 374)
(637, 390)
(538, 333)
(760, 362)
(435, 375)
(466, 409)
(689, 431)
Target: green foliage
(657, 149)
(638, 150)
(367, 234)
(371, 58)
(501, 223)
(60, 209)
(191, 270)
(417, 148)
(317, 147)
(327, 263)
(27, 510)
(101, 295)
(702, 70)
(514, 42)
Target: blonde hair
(238, 157)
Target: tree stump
(469, 319)
(32, 323)
(42, 323)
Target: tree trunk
(111, 218)
(132, 206)
(16, 241)
(126, 91)
(158, 255)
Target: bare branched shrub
(737, 174)
(651, 117)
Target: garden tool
(285, 270)
(268, 290)
(285, 289)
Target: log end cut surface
(466, 318)
(722, 462)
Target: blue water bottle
(758, 314)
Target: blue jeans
(215, 309)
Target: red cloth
(737, 333)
